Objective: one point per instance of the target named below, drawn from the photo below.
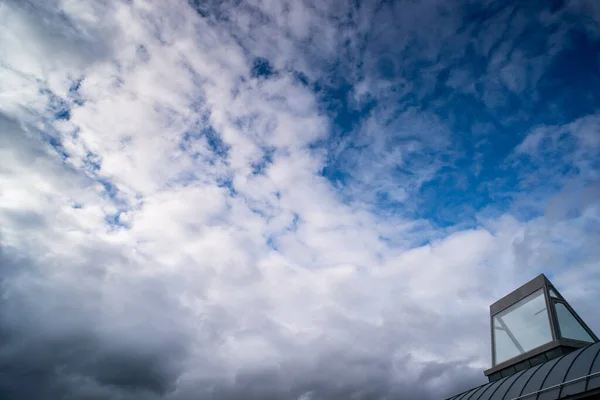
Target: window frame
(581, 323)
(553, 334)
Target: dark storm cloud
(54, 345)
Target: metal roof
(561, 378)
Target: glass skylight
(569, 327)
(521, 327)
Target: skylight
(521, 327)
(533, 324)
(553, 293)
(570, 327)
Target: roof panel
(557, 375)
(594, 382)
(518, 386)
(479, 392)
(467, 394)
(536, 381)
(492, 387)
(581, 367)
(463, 395)
(577, 364)
(503, 385)
(501, 392)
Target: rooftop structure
(541, 349)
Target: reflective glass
(553, 293)
(521, 327)
(570, 328)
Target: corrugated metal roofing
(560, 378)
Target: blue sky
(287, 199)
(515, 76)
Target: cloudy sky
(272, 199)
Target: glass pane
(570, 328)
(521, 327)
(553, 293)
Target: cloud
(296, 200)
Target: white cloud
(186, 266)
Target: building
(541, 349)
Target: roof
(561, 378)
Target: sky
(272, 199)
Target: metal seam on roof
(530, 376)
(555, 377)
(456, 397)
(485, 389)
(475, 391)
(545, 376)
(587, 381)
(491, 385)
(581, 351)
(542, 375)
(547, 389)
(462, 395)
(548, 374)
(579, 368)
(499, 386)
(513, 382)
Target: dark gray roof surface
(556, 379)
